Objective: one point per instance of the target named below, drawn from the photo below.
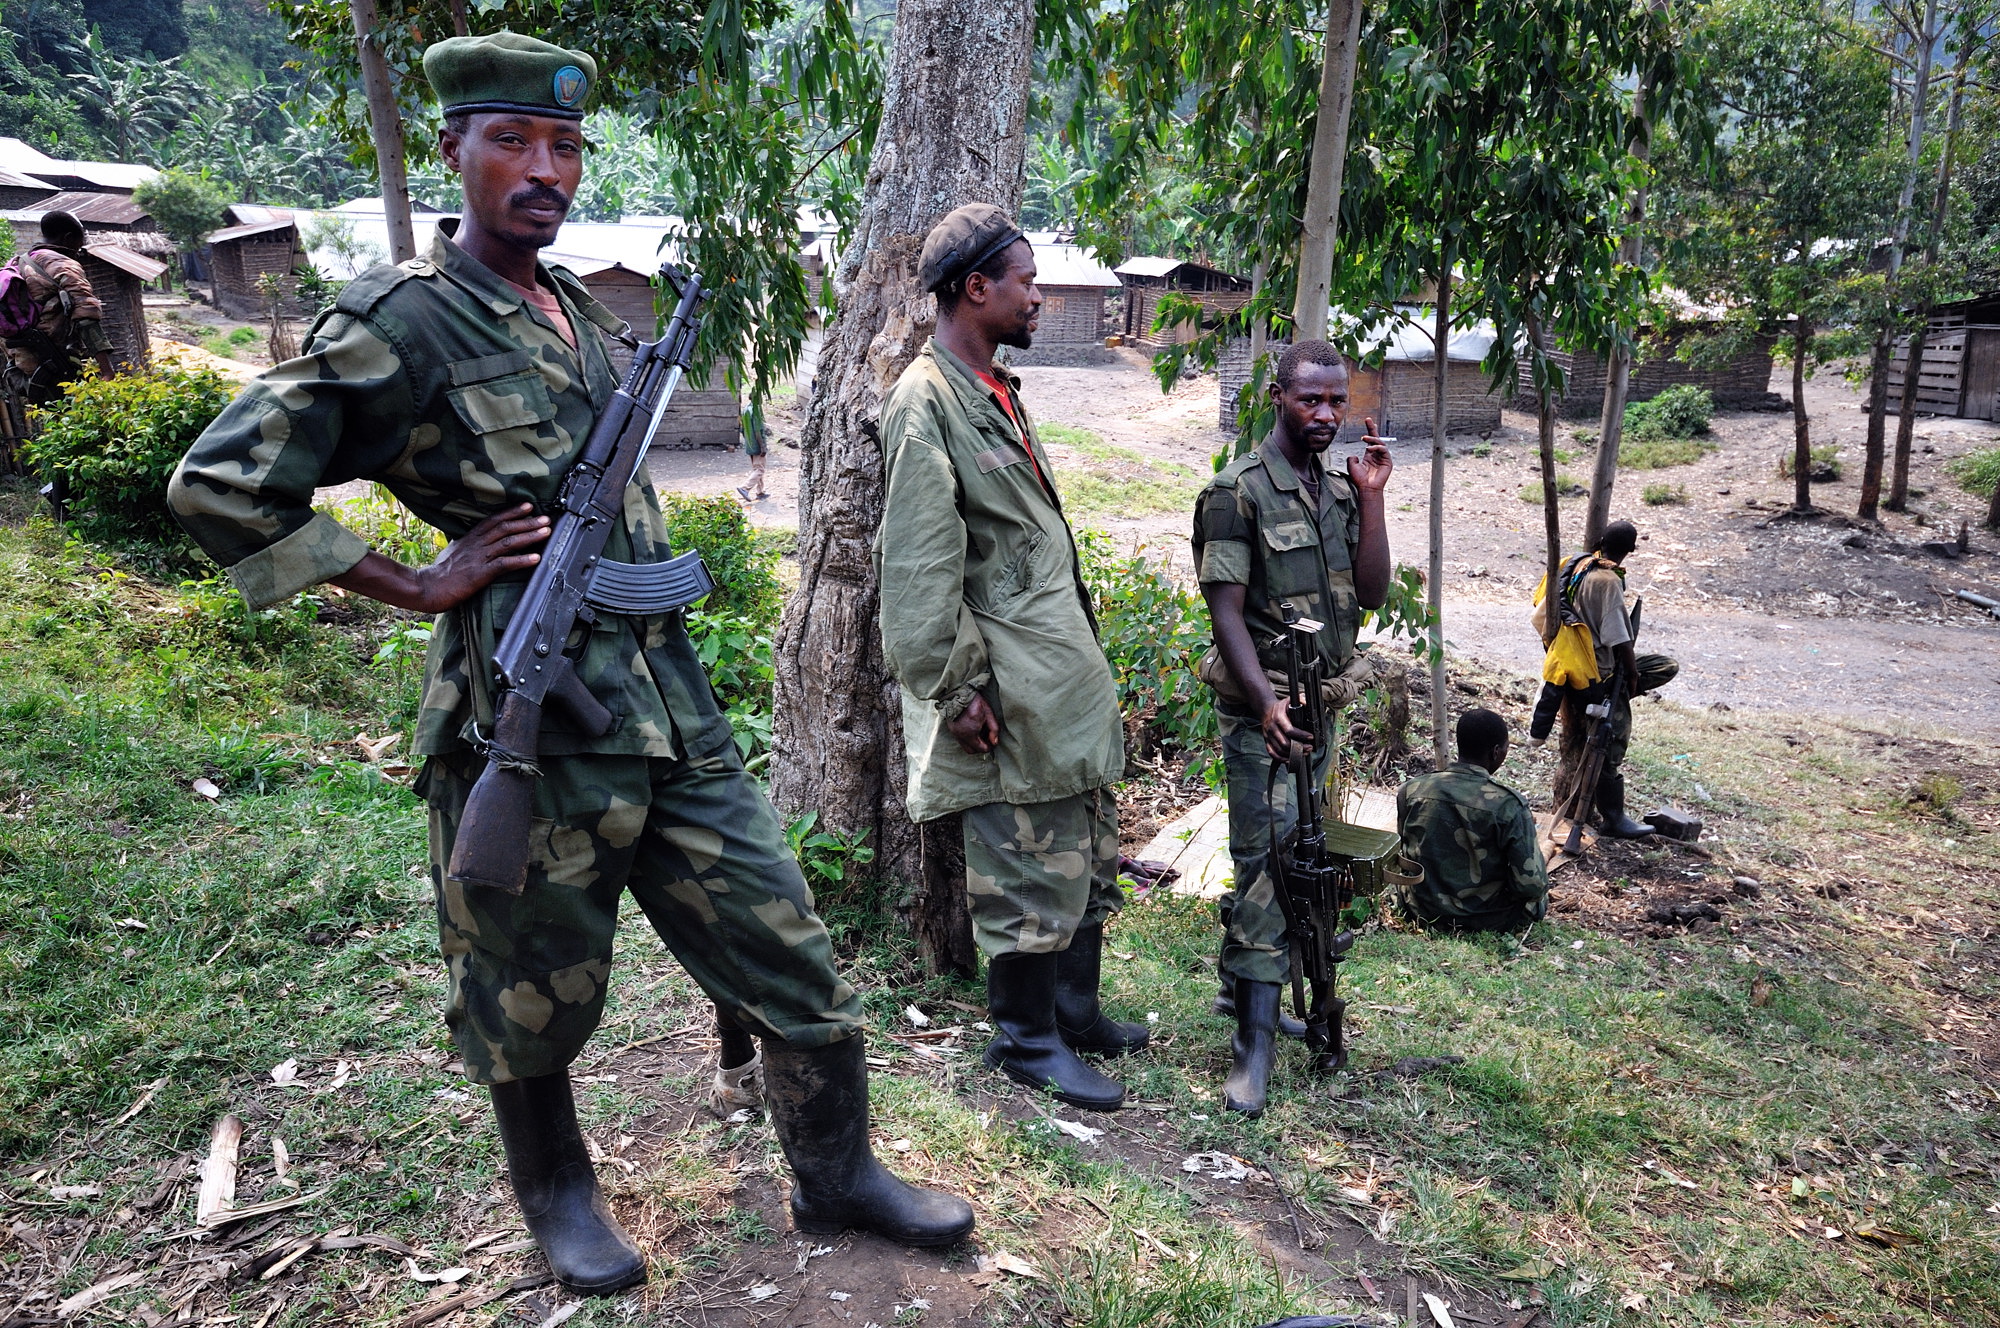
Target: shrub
(736, 655)
(1665, 495)
(745, 571)
(1678, 412)
(1977, 472)
(1154, 631)
(187, 206)
(116, 442)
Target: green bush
(1826, 463)
(745, 570)
(1566, 487)
(1678, 412)
(736, 655)
(1154, 631)
(1977, 472)
(1665, 495)
(117, 440)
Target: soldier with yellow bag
(1588, 635)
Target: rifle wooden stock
(492, 845)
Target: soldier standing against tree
(1009, 712)
(467, 381)
(1277, 527)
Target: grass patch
(1825, 462)
(1977, 472)
(1642, 1129)
(1566, 487)
(1665, 495)
(1116, 481)
(1660, 454)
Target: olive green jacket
(439, 380)
(981, 590)
(1256, 526)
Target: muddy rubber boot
(818, 1100)
(1079, 1018)
(556, 1185)
(1611, 809)
(1290, 1026)
(1021, 1000)
(1253, 1049)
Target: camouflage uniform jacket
(1476, 840)
(76, 322)
(1255, 525)
(441, 381)
(982, 591)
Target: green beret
(505, 71)
(962, 241)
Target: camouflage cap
(965, 238)
(505, 71)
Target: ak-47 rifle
(1315, 885)
(573, 581)
(1605, 714)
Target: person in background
(756, 444)
(1474, 837)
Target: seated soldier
(1474, 837)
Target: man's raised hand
(1370, 470)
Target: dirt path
(1764, 612)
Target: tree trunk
(1906, 415)
(1906, 420)
(1441, 359)
(953, 132)
(1801, 422)
(461, 24)
(1993, 510)
(1885, 338)
(1545, 425)
(385, 127)
(1618, 369)
(1329, 163)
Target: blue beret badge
(569, 86)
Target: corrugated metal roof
(125, 260)
(1143, 266)
(90, 209)
(105, 174)
(14, 180)
(254, 228)
(243, 214)
(18, 156)
(1071, 265)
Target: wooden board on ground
(1545, 829)
(1196, 844)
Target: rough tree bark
(1545, 427)
(1440, 413)
(385, 127)
(953, 131)
(1329, 164)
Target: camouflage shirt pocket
(515, 401)
(1293, 559)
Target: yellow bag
(1572, 657)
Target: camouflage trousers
(1655, 672)
(1036, 872)
(700, 849)
(1254, 946)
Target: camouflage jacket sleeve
(1521, 850)
(340, 411)
(65, 277)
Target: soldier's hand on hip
(496, 546)
(1370, 470)
(1282, 738)
(977, 728)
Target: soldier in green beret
(1474, 836)
(467, 381)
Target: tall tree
(1778, 219)
(953, 131)
(385, 128)
(1324, 172)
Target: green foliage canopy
(187, 206)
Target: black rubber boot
(1021, 997)
(557, 1188)
(818, 1100)
(1611, 809)
(1290, 1026)
(1253, 1049)
(1079, 1018)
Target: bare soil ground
(1764, 611)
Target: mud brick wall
(1071, 316)
(1740, 384)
